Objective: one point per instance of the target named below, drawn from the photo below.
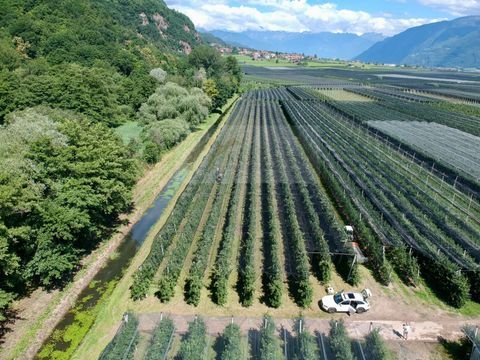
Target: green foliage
(63, 183)
(194, 281)
(272, 276)
(195, 341)
(144, 275)
(87, 56)
(375, 348)
(64, 176)
(224, 73)
(123, 344)
(339, 341)
(92, 91)
(269, 341)
(299, 278)
(466, 109)
(446, 280)
(161, 340)
(223, 266)
(208, 58)
(161, 136)
(171, 101)
(5, 301)
(306, 343)
(159, 74)
(405, 265)
(230, 343)
(246, 271)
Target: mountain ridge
(323, 44)
(452, 43)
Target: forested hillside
(71, 73)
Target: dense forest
(72, 73)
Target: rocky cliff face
(183, 31)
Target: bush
(339, 341)
(269, 341)
(446, 279)
(172, 101)
(161, 136)
(195, 341)
(158, 74)
(123, 344)
(161, 340)
(230, 343)
(375, 348)
(306, 343)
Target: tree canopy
(63, 183)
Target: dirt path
(356, 328)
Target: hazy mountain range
(454, 43)
(323, 44)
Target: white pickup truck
(349, 302)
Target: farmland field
(256, 173)
(293, 165)
(260, 227)
(458, 149)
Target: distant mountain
(454, 43)
(323, 44)
(209, 38)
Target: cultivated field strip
(215, 223)
(364, 113)
(461, 151)
(259, 157)
(247, 273)
(195, 228)
(379, 170)
(418, 217)
(386, 93)
(226, 258)
(416, 110)
(182, 211)
(273, 277)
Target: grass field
(321, 63)
(131, 130)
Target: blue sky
(356, 16)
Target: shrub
(375, 348)
(123, 344)
(230, 343)
(161, 340)
(195, 340)
(339, 341)
(269, 341)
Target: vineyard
(459, 150)
(256, 173)
(264, 214)
(264, 340)
(404, 206)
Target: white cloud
(289, 15)
(455, 7)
